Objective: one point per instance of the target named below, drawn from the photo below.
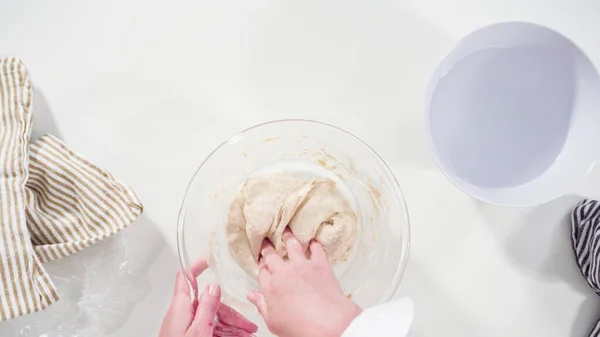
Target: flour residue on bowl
(345, 170)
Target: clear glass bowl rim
(396, 186)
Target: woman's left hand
(203, 317)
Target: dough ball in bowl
(268, 204)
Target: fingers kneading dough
(313, 209)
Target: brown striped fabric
(53, 203)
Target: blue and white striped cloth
(585, 236)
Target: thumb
(258, 299)
(208, 305)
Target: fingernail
(251, 297)
(293, 241)
(213, 290)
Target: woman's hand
(203, 317)
(301, 297)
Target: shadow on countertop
(540, 245)
(43, 118)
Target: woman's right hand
(301, 297)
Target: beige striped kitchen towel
(53, 202)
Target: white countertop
(146, 89)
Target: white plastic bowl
(513, 114)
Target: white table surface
(146, 89)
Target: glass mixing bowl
(373, 272)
